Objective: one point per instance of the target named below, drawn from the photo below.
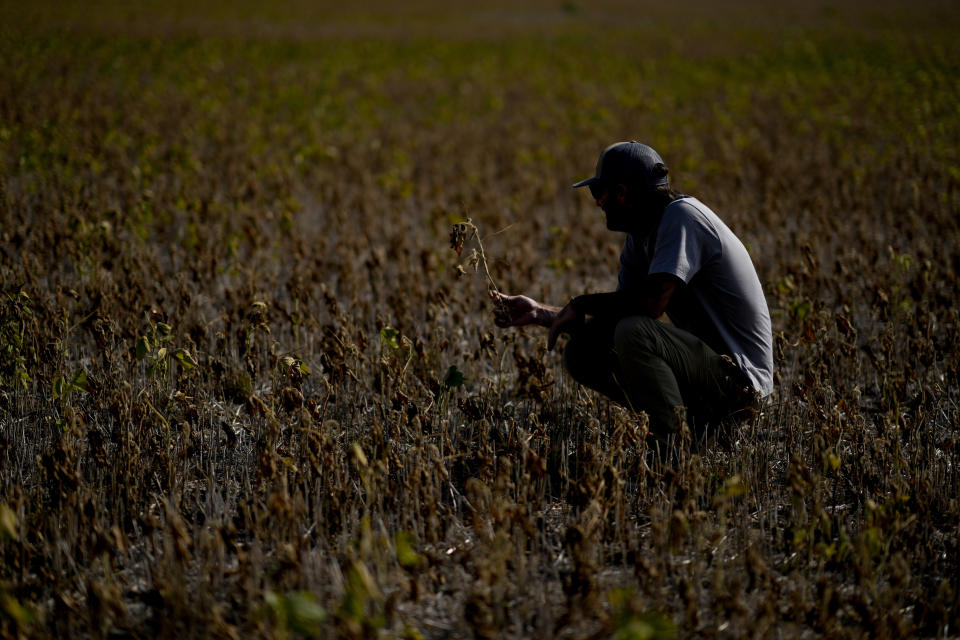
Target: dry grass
(230, 313)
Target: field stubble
(245, 392)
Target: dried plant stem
(483, 258)
(463, 232)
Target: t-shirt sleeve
(685, 242)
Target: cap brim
(588, 181)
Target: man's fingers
(503, 302)
(505, 323)
(565, 317)
(512, 311)
(501, 315)
(553, 335)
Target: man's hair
(655, 197)
(663, 193)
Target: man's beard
(619, 218)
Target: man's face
(611, 199)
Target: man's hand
(519, 311)
(515, 311)
(567, 316)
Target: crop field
(248, 389)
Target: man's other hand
(566, 317)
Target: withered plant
(243, 395)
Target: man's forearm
(651, 300)
(546, 314)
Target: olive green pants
(648, 365)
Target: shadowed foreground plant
(295, 612)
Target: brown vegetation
(246, 393)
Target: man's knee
(589, 359)
(636, 336)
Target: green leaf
(733, 487)
(630, 623)
(652, 625)
(304, 615)
(832, 461)
(389, 335)
(406, 556)
(79, 382)
(800, 310)
(158, 365)
(143, 347)
(8, 522)
(785, 285)
(11, 608)
(57, 387)
(296, 611)
(184, 358)
(454, 378)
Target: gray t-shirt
(722, 303)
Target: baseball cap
(629, 163)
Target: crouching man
(714, 359)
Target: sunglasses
(597, 189)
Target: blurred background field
(230, 312)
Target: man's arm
(519, 311)
(652, 302)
